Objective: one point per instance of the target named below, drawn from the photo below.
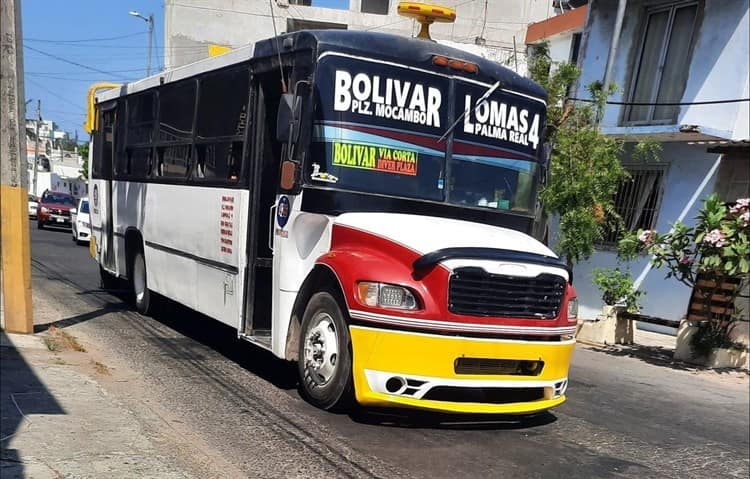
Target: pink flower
(686, 260)
(715, 238)
(741, 205)
(745, 217)
(647, 237)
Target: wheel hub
(321, 349)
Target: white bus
(359, 203)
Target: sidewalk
(57, 421)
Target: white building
(192, 25)
(684, 52)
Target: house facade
(682, 72)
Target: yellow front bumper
(380, 354)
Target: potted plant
(618, 295)
(711, 257)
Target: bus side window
(104, 145)
(220, 125)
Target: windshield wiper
(486, 95)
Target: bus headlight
(385, 295)
(573, 308)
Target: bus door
(264, 174)
(104, 197)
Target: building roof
(736, 146)
(572, 20)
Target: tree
(83, 150)
(585, 169)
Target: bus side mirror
(287, 118)
(288, 175)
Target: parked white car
(80, 222)
(33, 206)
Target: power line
(82, 73)
(64, 112)
(86, 80)
(61, 98)
(227, 10)
(72, 62)
(686, 103)
(83, 40)
(133, 47)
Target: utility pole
(36, 145)
(150, 42)
(15, 250)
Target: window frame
(243, 138)
(609, 241)
(638, 59)
(387, 8)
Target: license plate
(60, 220)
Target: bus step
(259, 336)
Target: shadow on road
(22, 394)
(411, 419)
(657, 356)
(222, 339)
(80, 318)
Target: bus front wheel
(139, 284)
(325, 360)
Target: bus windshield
(377, 129)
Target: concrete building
(561, 32)
(684, 52)
(192, 25)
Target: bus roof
(396, 48)
(375, 45)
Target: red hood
(57, 206)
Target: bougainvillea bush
(716, 248)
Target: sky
(105, 42)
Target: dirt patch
(58, 339)
(101, 368)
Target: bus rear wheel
(139, 283)
(325, 360)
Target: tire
(139, 283)
(325, 359)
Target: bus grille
(474, 292)
(511, 367)
(56, 211)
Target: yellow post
(14, 227)
(16, 259)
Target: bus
(359, 203)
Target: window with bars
(638, 199)
(661, 66)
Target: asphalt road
(627, 415)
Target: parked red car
(54, 209)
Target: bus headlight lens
(573, 308)
(386, 295)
